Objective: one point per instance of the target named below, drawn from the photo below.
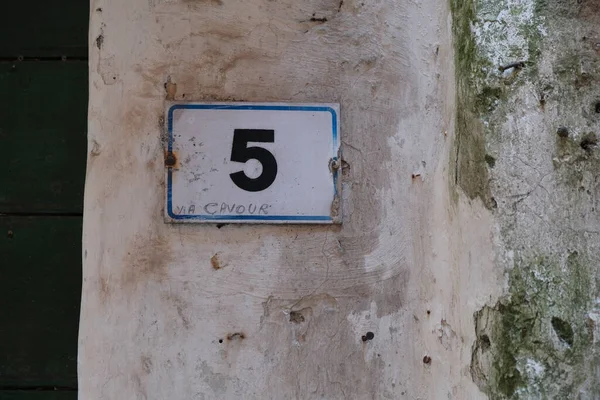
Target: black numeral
(240, 152)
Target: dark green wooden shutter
(43, 121)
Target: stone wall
(528, 118)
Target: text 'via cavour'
(224, 209)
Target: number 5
(240, 152)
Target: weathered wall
(198, 312)
(527, 148)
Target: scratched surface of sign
(252, 163)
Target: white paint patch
(364, 321)
(534, 368)
(503, 30)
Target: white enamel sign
(253, 163)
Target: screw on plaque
(334, 164)
(170, 160)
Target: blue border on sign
(295, 218)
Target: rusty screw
(170, 161)
(427, 360)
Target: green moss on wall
(469, 164)
(537, 338)
(481, 88)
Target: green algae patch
(495, 42)
(469, 166)
(534, 343)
